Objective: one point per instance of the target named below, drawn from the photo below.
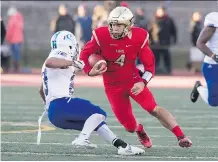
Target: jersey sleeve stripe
(145, 41)
(96, 38)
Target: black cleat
(194, 94)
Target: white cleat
(130, 150)
(78, 142)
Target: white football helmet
(120, 15)
(65, 41)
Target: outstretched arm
(53, 62)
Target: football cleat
(143, 137)
(195, 94)
(130, 150)
(78, 142)
(185, 142)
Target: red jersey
(120, 54)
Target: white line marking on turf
(119, 126)
(126, 135)
(108, 155)
(105, 145)
(115, 126)
(131, 135)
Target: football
(97, 59)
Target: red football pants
(119, 98)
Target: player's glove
(215, 57)
(78, 64)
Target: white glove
(79, 65)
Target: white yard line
(126, 135)
(114, 126)
(133, 135)
(105, 145)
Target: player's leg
(122, 108)
(123, 147)
(67, 115)
(209, 94)
(75, 120)
(210, 72)
(147, 102)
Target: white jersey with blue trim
(58, 83)
(211, 20)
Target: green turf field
(21, 106)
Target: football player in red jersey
(120, 44)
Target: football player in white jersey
(66, 111)
(208, 44)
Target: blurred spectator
(5, 64)
(101, 13)
(140, 21)
(83, 30)
(15, 35)
(99, 17)
(109, 5)
(163, 33)
(3, 31)
(196, 56)
(64, 21)
(195, 27)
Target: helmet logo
(68, 37)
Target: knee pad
(130, 126)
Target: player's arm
(53, 62)
(146, 56)
(60, 60)
(91, 47)
(42, 93)
(206, 33)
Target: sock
(203, 93)
(106, 133)
(178, 132)
(90, 124)
(118, 142)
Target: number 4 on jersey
(120, 60)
